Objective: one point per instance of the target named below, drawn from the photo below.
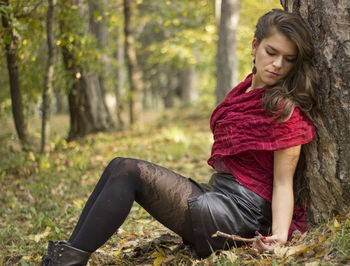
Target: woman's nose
(278, 62)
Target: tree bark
(98, 27)
(189, 92)
(227, 62)
(86, 106)
(326, 168)
(45, 125)
(218, 11)
(60, 106)
(135, 77)
(169, 89)
(120, 91)
(11, 46)
(156, 91)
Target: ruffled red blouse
(245, 137)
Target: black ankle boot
(62, 254)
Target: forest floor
(42, 197)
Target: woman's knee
(127, 166)
(115, 162)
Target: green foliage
(175, 29)
(75, 37)
(26, 22)
(340, 243)
(170, 35)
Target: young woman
(258, 132)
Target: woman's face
(274, 58)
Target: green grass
(42, 196)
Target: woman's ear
(254, 46)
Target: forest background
(174, 43)
(145, 90)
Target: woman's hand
(269, 243)
(285, 162)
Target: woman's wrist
(281, 236)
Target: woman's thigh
(164, 194)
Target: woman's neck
(256, 83)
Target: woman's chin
(270, 81)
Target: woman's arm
(285, 162)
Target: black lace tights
(158, 190)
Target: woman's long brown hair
(298, 88)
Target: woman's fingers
(270, 239)
(261, 246)
(267, 244)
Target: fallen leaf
(168, 259)
(280, 251)
(129, 244)
(320, 253)
(295, 250)
(159, 258)
(40, 236)
(313, 263)
(230, 255)
(321, 238)
(336, 223)
(342, 217)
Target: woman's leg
(98, 188)
(160, 191)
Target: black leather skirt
(229, 207)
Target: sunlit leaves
(179, 26)
(169, 34)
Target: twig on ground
(239, 238)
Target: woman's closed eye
(289, 60)
(270, 53)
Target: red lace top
(245, 138)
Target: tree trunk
(86, 106)
(60, 107)
(12, 67)
(45, 125)
(218, 11)
(189, 92)
(169, 89)
(98, 27)
(120, 91)
(87, 112)
(135, 77)
(326, 170)
(156, 91)
(227, 62)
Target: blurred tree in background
(227, 63)
(175, 45)
(80, 48)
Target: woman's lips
(273, 74)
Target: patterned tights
(158, 190)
